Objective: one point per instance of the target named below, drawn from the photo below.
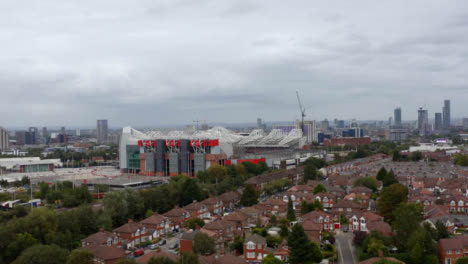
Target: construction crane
(302, 110)
(198, 121)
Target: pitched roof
(106, 252)
(130, 227)
(218, 225)
(230, 197)
(155, 219)
(154, 254)
(176, 212)
(194, 206)
(257, 239)
(380, 226)
(454, 243)
(211, 200)
(237, 216)
(189, 235)
(98, 238)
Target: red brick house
(214, 205)
(177, 216)
(133, 234)
(347, 208)
(301, 189)
(230, 200)
(101, 238)
(360, 221)
(197, 209)
(238, 219)
(275, 206)
(451, 249)
(223, 230)
(255, 248)
(328, 200)
(105, 254)
(159, 223)
(457, 204)
(326, 220)
(313, 231)
(186, 241)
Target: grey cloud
(169, 62)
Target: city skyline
(224, 61)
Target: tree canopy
(249, 196)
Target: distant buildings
(438, 122)
(3, 139)
(102, 132)
(423, 122)
(397, 116)
(25, 138)
(340, 124)
(446, 114)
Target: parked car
(174, 246)
(162, 242)
(153, 246)
(138, 252)
(345, 228)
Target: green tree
(376, 246)
(237, 244)
(249, 196)
(301, 249)
(463, 260)
(250, 167)
(442, 231)
(389, 179)
(203, 244)
(262, 167)
(319, 188)
(396, 155)
(190, 192)
(318, 205)
(216, 173)
(291, 216)
(188, 258)
(416, 156)
(381, 174)
(407, 219)
(270, 259)
(369, 182)
(80, 256)
(116, 206)
(43, 254)
(22, 241)
(461, 159)
(284, 232)
(273, 220)
(310, 172)
(306, 207)
(192, 223)
(390, 198)
(416, 254)
(149, 213)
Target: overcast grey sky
(170, 62)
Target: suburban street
(345, 248)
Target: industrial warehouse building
(28, 165)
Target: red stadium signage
(176, 143)
(204, 143)
(147, 143)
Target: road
(345, 249)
